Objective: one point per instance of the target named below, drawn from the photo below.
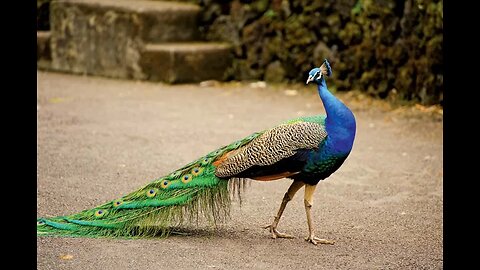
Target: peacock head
(316, 74)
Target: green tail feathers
(153, 210)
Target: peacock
(305, 150)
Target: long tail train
(153, 210)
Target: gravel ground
(98, 139)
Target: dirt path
(101, 138)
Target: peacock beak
(310, 78)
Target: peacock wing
(277, 152)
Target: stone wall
(381, 47)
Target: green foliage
(374, 46)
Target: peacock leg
(294, 187)
(309, 190)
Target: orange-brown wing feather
(274, 176)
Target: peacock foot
(315, 240)
(277, 234)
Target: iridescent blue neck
(340, 122)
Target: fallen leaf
(56, 100)
(66, 257)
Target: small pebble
(259, 84)
(290, 92)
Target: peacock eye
(216, 152)
(117, 203)
(151, 193)
(100, 213)
(186, 178)
(40, 222)
(164, 184)
(197, 170)
(205, 161)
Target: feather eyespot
(205, 161)
(187, 178)
(164, 184)
(40, 222)
(197, 170)
(236, 144)
(117, 203)
(216, 152)
(151, 193)
(100, 213)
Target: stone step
(106, 37)
(132, 39)
(44, 56)
(186, 62)
(151, 21)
